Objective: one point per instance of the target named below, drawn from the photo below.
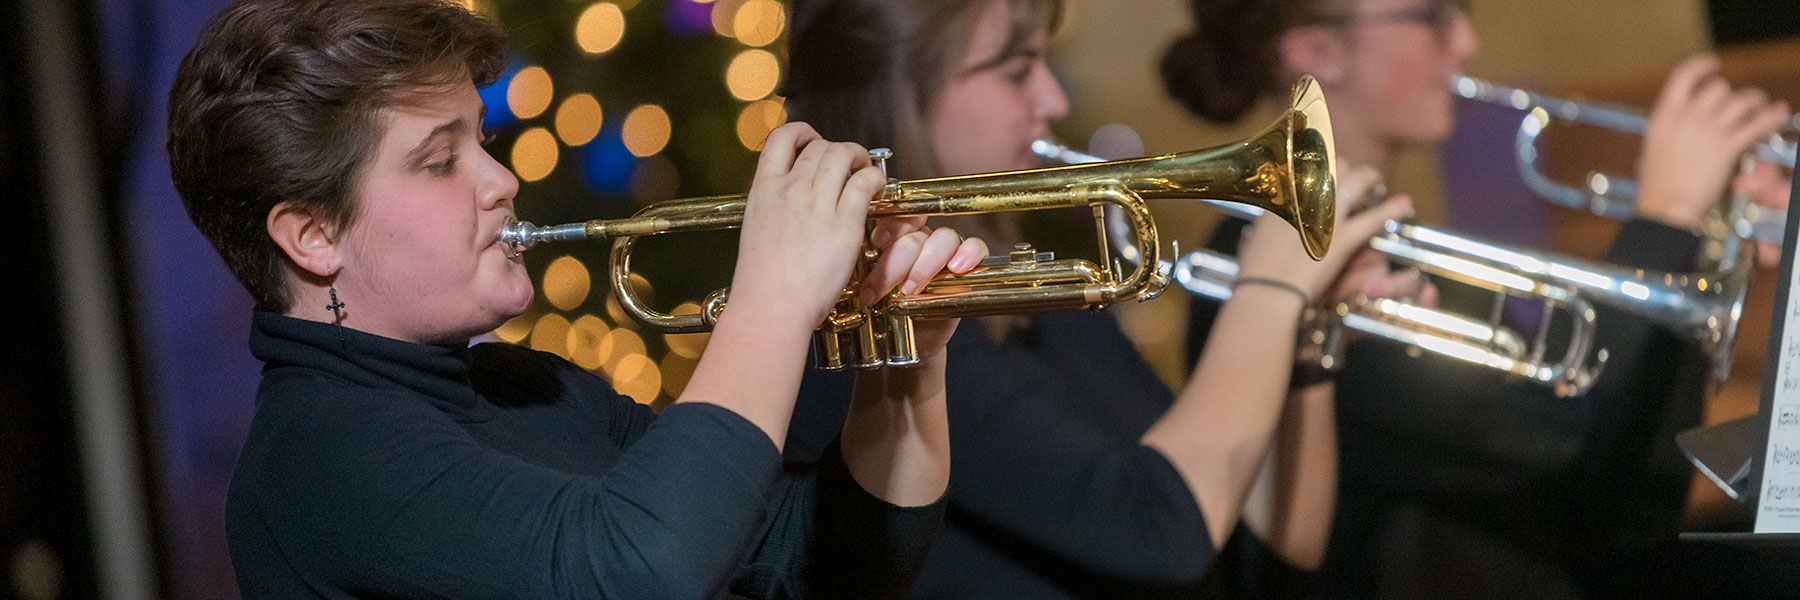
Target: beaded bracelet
(1274, 283)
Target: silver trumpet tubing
(1610, 195)
(1704, 307)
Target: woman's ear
(1316, 50)
(306, 239)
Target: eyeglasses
(1441, 14)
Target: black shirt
(380, 468)
(1051, 493)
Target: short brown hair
(281, 100)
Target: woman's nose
(497, 185)
(1052, 103)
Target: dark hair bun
(1228, 62)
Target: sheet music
(1779, 510)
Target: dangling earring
(337, 307)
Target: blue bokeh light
(606, 166)
(499, 115)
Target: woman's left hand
(911, 256)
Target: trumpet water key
(1287, 169)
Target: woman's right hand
(1272, 252)
(803, 225)
(1696, 133)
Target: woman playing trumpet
(1076, 472)
(1449, 473)
(330, 150)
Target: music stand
(1732, 454)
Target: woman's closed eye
(443, 168)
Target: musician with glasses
(1076, 471)
(331, 152)
(1454, 479)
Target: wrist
(1274, 285)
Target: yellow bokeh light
(723, 13)
(585, 337)
(566, 283)
(600, 27)
(530, 92)
(676, 371)
(618, 344)
(646, 130)
(534, 154)
(753, 74)
(638, 377)
(759, 22)
(688, 345)
(616, 313)
(515, 329)
(551, 334)
(578, 119)
(757, 120)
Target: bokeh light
(647, 130)
(515, 329)
(723, 13)
(551, 334)
(687, 18)
(618, 344)
(600, 28)
(759, 22)
(656, 180)
(752, 74)
(676, 371)
(585, 339)
(757, 120)
(566, 283)
(530, 92)
(689, 345)
(605, 164)
(534, 154)
(638, 377)
(578, 119)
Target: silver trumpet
(1610, 195)
(1702, 307)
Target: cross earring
(337, 307)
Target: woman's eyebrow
(453, 127)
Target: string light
(752, 74)
(530, 92)
(600, 28)
(759, 22)
(756, 121)
(566, 283)
(647, 130)
(534, 154)
(578, 119)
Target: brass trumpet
(1287, 169)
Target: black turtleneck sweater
(380, 468)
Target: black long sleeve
(385, 469)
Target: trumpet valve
(868, 346)
(903, 349)
(1023, 255)
(828, 350)
(880, 156)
